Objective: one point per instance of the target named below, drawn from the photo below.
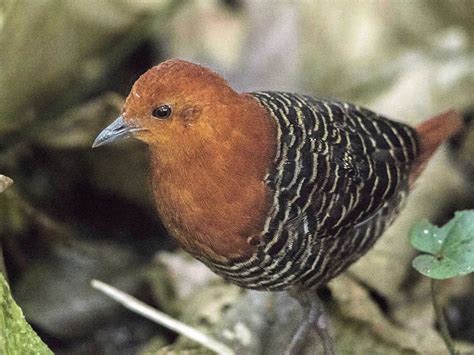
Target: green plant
(447, 252)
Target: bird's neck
(211, 195)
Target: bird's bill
(118, 129)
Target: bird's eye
(161, 112)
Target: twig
(5, 181)
(156, 316)
(443, 325)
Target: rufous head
(171, 101)
(211, 148)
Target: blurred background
(74, 213)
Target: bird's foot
(315, 322)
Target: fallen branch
(165, 320)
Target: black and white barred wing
(337, 164)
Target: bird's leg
(314, 321)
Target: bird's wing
(337, 164)
(369, 161)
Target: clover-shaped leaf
(449, 249)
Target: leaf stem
(443, 325)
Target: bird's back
(338, 179)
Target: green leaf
(427, 238)
(16, 335)
(449, 249)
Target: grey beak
(116, 130)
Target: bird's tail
(432, 133)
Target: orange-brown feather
(208, 161)
(432, 133)
(214, 198)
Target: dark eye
(161, 112)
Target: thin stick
(156, 316)
(5, 181)
(438, 308)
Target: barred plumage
(272, 190)
(339, 177)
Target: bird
(273, 191)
